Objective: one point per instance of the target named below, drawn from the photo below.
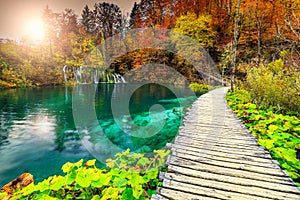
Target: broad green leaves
(129, 176)
(278, 133)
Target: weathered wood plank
(216, 143)
(175, 194)
(209, 134)
(219, 140)
(234, 180)
(238, 166)
(172, 160)
(206, 191)
(260, 153)
(221, 154)
(229, 187)
(181, 153)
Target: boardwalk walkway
(215, 157)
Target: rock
(20, 182)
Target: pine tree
(87, 19)
(133, 15)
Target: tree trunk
(235, 43)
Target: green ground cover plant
(129, 176)
(278, 133)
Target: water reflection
(37, 131)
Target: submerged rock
(22, 181)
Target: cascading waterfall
(65, 69)
(115, 79)
(96, 78)
(85, 75)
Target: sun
(35, 30)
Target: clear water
(38, 134)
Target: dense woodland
(254, 43)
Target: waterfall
(120, 78)
(96, 80)
(75, 74)
(65, 69)
(92, 75)
(115, 79)
(123, 80)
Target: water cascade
(89, 75)
(65, 69)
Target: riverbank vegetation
(239, 35)
(279, 133)
(128, 176)
(268, 103)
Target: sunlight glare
(35, 30)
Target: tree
(87, 20)
(51, 26)
(133, 15)
(197, 28)
(108, 19)
(236, 35)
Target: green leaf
(44, 185)
(90, 163)
(110, 193)
(135, 180)
(110, 163)
(137, 191)
(272, 128)
(143, 161)
(57, 183)
(67, 167)
(84, 178)
(127, 194)
(104, 180)
(96, 197)
(119, 182)
(152, 174)
(3, 195)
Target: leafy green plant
(274, 85)
(200, 89)
(278, 133)
(129, 176)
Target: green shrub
(274, 85)
(278, 133)
(130, 176)
(199, 89)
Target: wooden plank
(227, 171)
(220, 140)
(234, 188)
(209, 134)
(221, 154)
(217, 144)
(210, 192)
(211, 158)
(175, 194)
(238, 166)
(158, 197)
(260, 154)
(229, 148)
(234, 180)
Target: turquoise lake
(38, 133)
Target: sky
(17, 17)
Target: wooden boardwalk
(215, 157)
